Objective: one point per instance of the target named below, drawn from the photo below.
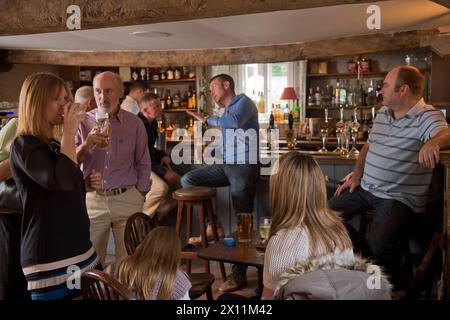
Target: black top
(55, 222)
(155, 154)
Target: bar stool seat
(201, 198)
(194, 193)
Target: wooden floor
(247, 291)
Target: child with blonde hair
(152, 272)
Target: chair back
(98, 285)
(137, 227)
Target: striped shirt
(287, 248)
(392, 169)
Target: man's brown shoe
(233, 283)
(197, 241)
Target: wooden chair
(137, 227)
(97, 285)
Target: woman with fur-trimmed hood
(329, 278)
(305, 232)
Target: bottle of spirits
(155, 76)
(342, 95)
(296, 112)
(318, 97)
(261, 103)
(337, 92)
(169, 73)
(310, 98)
(269, 131)
(177, 73)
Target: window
(268, 78)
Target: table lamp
(290, 95)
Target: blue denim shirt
(239, 121)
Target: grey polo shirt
(392, 169)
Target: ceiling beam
(41, 16)
(445, 3)
(364, 44)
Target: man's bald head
(108, 88)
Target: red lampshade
(289, 94)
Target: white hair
(84, 93)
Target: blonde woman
(303, 227)
(152, 272)
(55, 227)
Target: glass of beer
(101, 118)
(244, 227)
(264, 228)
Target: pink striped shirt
(126, 162)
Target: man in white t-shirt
(132, 100)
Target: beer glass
(244, 227)
(101, 118)
(264, 228)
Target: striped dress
(392, 169)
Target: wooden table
(246, 254)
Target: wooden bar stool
(201, 198)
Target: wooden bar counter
(445, 160)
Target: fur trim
(330, 262)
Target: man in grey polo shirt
(393, 172)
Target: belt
(111, 192)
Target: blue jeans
(391, 219)
(242, 180)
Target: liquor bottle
(201, 102)
(155, 74)
(269, 131)
(169, 73)
(342, 95)
(143, 73)
(147, 74)
(193, 99)
(135, 75)
(296, 112)
(169, 101)
(290, 137)
(177, 73)
(286, 113)
(162, 74)
(318, 96)
(337, 92)
(261, 104)
(177, 100)
(310, 98)
(326, 96)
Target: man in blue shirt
(240, 170)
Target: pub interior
(311, 79)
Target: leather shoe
(233, 283)
(197, 241)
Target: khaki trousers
(111, 212)
(159, 198)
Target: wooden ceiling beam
(364, 44)
(41, 16)
(445, 3)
